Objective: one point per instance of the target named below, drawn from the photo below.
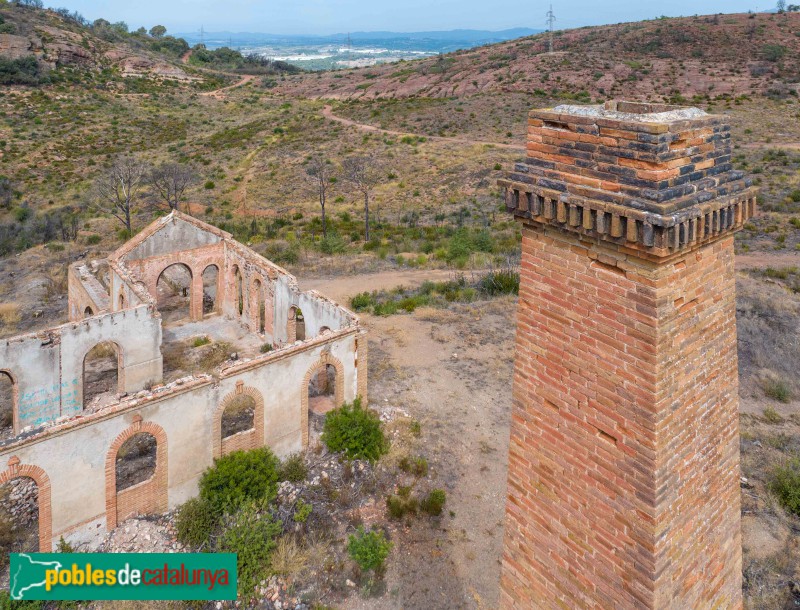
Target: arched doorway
(102, 379)
(136, 473)
(88, 312)
(174, 293)
(25, 491)
(210, 289)
(323, 391)
(121, 301)
(258, 306)
(296, 326)
(8, 404)
(19, 517)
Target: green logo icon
(122, 576)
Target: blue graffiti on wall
(43, 405)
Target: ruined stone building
(179, 282)
(624, 454)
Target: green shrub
(355, 431)
(433, 503)
(777, 390)
(93, 240)
(302, 511)
(250, 532)
(200, 341)
(6, 603)
(785, 484)
(368, 549)
(402, 503)
(195, 522)
(209, 185)
(266, 348)
(418, 466)
(238, 477)
(361, 302)
(293, 469)
(332, 244)
(500, 282)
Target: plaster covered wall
(47, 367)
(78, 450)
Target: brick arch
(16, 470)
(338, 396)
(191, 267)
(149, 495)
(257, 293)
(248, 439)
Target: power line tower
(202, 35)
(349, 43)
(551, 19)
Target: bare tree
(6, 192)
(170, 181)
(115, 191)
(364, 173)
(781, 6)
(321, 171)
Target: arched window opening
(321, 397)
(210, 281)
(174, 293)
(324, 330)
(88, 312)
(8, 393)
(101, 375)
(296, 327)
(121, 301)
(136, 460)
(19, 517)
(239, 415)
(237, 275)
(260, 306)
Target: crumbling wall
(47, 367)
(77, 450)
(84, 291)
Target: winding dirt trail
(220, 93)
(327, 112)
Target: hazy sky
(334, 16)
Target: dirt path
(327, 112)
(783, 145)
(760, 260)
(219, 93)
(450, 370)
(185, 57)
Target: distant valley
(353, 50)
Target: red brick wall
(624, 463)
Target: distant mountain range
(440, 41)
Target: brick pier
(624, 454)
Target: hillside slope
(58, 42)
(738, 54)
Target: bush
(418, 466)
(302, 511)
(785, 484)
(777, 390)
(772, 416)
(93, 240)
(433, 503)
(239, 477)
(500, 282)
(293, 469)
(266, 348)
(368, 549)
(355, 431)
(209, 185)
(251, 534)
(402, 503)
(195, 522)
(361, 302)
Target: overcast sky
(334, 16)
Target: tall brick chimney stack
(624, 455)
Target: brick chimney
(623, 484)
